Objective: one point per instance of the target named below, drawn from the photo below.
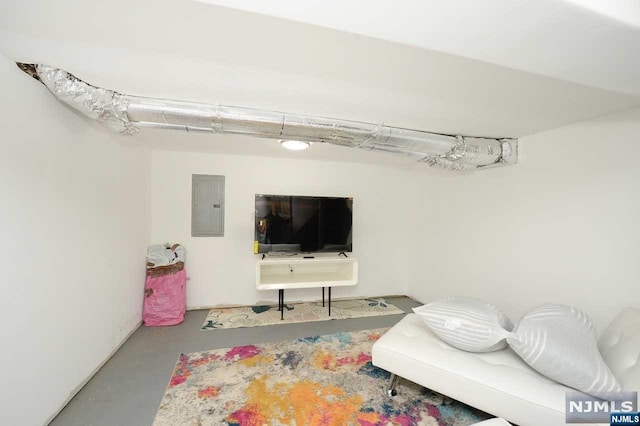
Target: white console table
(298, 272)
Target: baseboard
(410, 297)
(78, 388)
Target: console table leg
(323, 297)
(329, 301)
(281, 303)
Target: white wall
(561, 226)
(74, 226)
(222, 269)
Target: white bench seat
(499, 383)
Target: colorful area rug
(255, 316)
(322, 380)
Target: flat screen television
(302, 224)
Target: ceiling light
(295, 145)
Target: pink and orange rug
(321, 380)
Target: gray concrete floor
(128, 389)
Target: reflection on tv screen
(303, 224)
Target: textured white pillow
(467, 323)
(560, 342)
(619, 346)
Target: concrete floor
(128, 389)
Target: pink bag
(165, 299)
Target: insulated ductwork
(127, 114)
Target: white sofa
(499, 383)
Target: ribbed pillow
(560, 342)
(467, 323)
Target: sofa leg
(391, 389)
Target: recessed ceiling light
(295, 145)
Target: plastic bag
(163, 255)
(165, 299)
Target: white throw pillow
(560, 342)
(619, 346)
(467, 323)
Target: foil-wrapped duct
(127, 114)
(106, 106)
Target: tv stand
(282, 274)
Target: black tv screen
(301, 224)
